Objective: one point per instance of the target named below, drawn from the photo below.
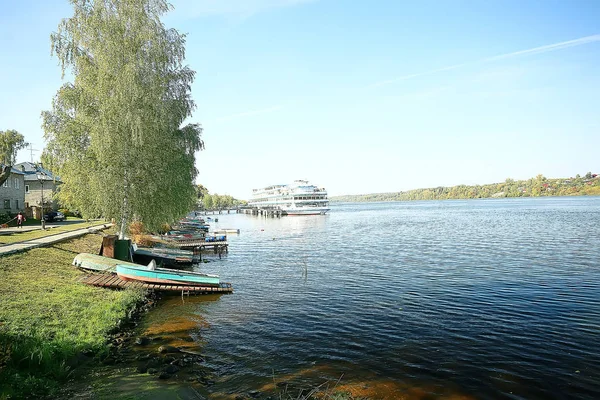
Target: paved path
(50, 239)
(27, 228)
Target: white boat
(298, 198)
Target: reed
(324, 391)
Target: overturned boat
(94, 262)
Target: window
(26, 188)
(17, 186)
(17, 204)
(5, 184)
(7, 203)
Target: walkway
(49, 240)
(27, 228)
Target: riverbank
(62, 339)
(540, 186)
(50, 323)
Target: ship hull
(307, 212)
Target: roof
(30, 170)
(13, 170)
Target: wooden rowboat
(166, 276)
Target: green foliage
(207, 201)
(219, 202)
(201, 191)
(11, 141)
(534, 187)
(48, 317)
(114, 134)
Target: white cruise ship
(299, 198)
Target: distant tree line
(207, 201)
(587, 185)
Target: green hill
(588, 185)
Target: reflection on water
(440, 299)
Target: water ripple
(487, 298)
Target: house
(39, 182)
(12, 193)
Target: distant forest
(587, 185)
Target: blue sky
(356, 96)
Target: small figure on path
(20, 219)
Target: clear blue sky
(358, 96)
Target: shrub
(137, 228)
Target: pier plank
(95, 278)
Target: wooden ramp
(113, 281)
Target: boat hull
(320, 211)
(163, 257)
(165, 276)
(94, 262)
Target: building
(39, 182)
(12, 193)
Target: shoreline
(60, 338)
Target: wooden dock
(201, 244)
(113, 281)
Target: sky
(358, 96)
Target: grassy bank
(49, 321)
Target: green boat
(165, 276)
(95, 262)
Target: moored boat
(94, 262)
(163, 256)
(179, 234)
(219, 231)
(200, 226)
(166, 276)
(298, 198)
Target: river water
(435, 299)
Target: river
(494, 298)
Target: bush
(137, 228)
(164, 228)
(4, 218)
(70, 213)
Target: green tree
(115, 133)
(11, 141)
(207, 200)
(201, 191)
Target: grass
(48, 318)
(23, 236)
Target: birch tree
(115, 132)
(11, 141)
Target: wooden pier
(201, 244)
(113, 281)
(264, 212)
